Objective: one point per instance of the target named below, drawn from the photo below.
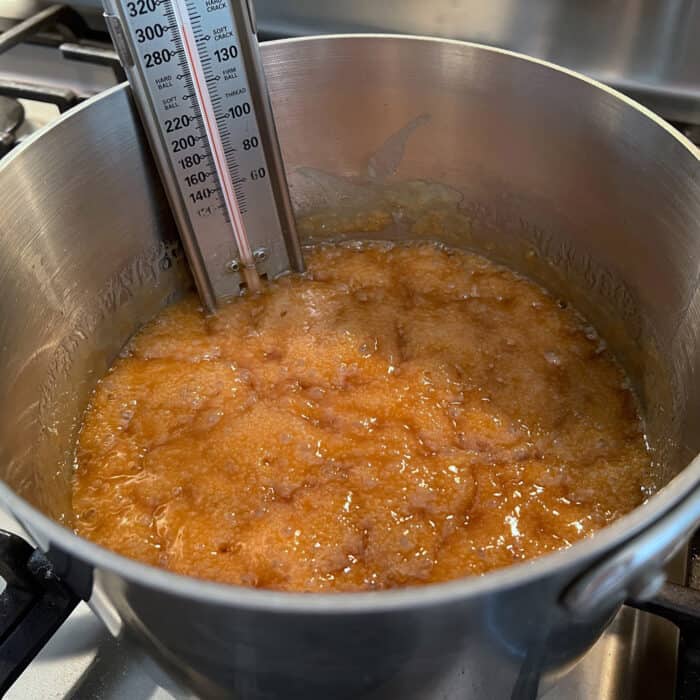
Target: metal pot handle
(33, 605)
(635, 570)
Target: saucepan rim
(585, 552)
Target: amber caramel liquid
(399, 415)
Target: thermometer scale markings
(211, 131)
(209, 121)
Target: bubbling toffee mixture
(399, 415)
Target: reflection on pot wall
(644, 47)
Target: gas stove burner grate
(56, 27)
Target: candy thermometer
(197, 79)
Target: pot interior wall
(383, 138)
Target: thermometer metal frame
(195, 72)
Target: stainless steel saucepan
(533, 165)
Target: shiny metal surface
(646, 48)
(11, 116)
(637, 569)
(584, 191)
